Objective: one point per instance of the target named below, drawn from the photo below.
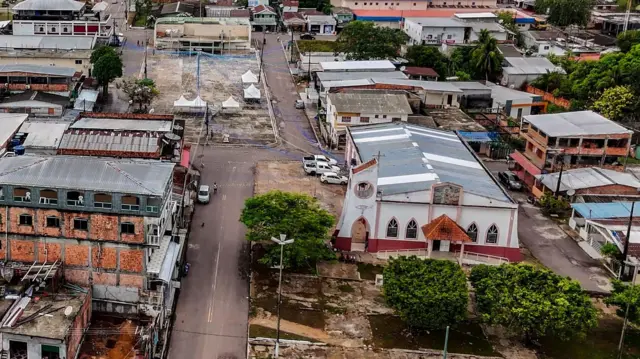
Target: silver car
(333, 178)
(204, 196)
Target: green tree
(427, 294)
(460, 60)
(100, 51)
(626, 40)
(486, 57)
(532, 302)
(614, 103)
(428, 56)
(362, 40)
(299, 216)
(624, 294)
(140, 92)
(107, 66)
(563, 13)
(463, 76)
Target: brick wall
(78, 327)
(131, 260)
(612, 189)
(138, 237)
(104, 227)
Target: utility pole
(309, 67)
(626, 312)
(626, 242)
(446, 343)
(291, 47)
(559, 178)
(264, 40)
(146, 44)
(282, 242)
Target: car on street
(204, 196)
(299, 104)
(319, 158)
(319, 167)
(510, 180)
(333, 178)
(307, 36)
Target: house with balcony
(569, 140)
(110, 222)
(264, 17)
(59, 17)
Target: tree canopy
(140, 91)
(107, 66)
(486, 57)
(362, 40)
(563, 13)
(427, 294)
(299, 216)
(428, 56)
(533, 302)
(614, 102)
(628, 39)
(101, 51)
(623, 294)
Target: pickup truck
(319, 167)
(321, 158)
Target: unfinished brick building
(108, 221)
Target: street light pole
(264, 35)
(282, 242)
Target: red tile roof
(420, 71)
(364, 166)
(291, 3)
(310, 11)
(525, 163)
(416, 13)
(261, 8)
(444, 228)
(293, 16)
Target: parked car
(321, 158)
(299, 104)
(319, 167)
(333, 178)
(510, 180)
(307, 36)
(203, 194)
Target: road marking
(233, 169)
(224, 197)
(193, 246)
(213, 286)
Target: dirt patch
(338, 270)
(290, 177)
(118, 340)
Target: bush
(609, 250)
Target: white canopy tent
(251, 93)
(249, 78)
(184, 105)
(230, 103)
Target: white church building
(413, 187)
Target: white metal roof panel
(10, 123)
(357, 75)
(370, 103)
(476, 15)
(581, 178)
(383, 65)
(438, 86)
(43, 134)
(577, 123)
(436, 22)
(47, 42)
(530, 65)
(49, 5)
(90, 123)
(36, 69)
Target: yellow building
(61, 51)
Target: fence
(559, 101)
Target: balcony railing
(153, 239)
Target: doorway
(449, 99)
(359, 235)
(436, 245)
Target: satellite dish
(571, 192)
(68, 310)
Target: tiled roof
(414, 13)
(291, 3)
(444, 228)
(420, 71)
(293, 17)
(262, 8)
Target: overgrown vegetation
(551, 204)
(624, 294)
(362, 40)
(139, 91)
(317, 46)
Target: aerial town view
(331, 179)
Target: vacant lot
(317, 46)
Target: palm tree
(486, 57)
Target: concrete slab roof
(43, 134)
(10, 123)
(47, 42)
(374, 103)
(577, 123)
(49, 5)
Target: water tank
(19, 150)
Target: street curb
(315, 134)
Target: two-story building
(318, 22)
(71, 52)
(418, 188)
(264, 17)
(207, 34)
(59, 17)
(108, 221)
(435, 31)
(569, 140)
(364, 107)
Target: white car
(203, 194)
(333, 178)
(317, 168)
(321, 158)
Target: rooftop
(49, 5)
(214, 11)
(383, 65)
(477, 15)
(582, 178)
(292, 16)
(163, 260)
(341, 11)
(10, 123)
(420, 71)
(88, 173)
(436, 86)
(111, 143)
(47, 42)
(33, 99)
(36, 69)
(43, 134)
(203, 20)
(503, 94)
(608, 210)
(436, 22)
(577, 123)
(414, 13)
(375, 103)
(546, 35)
(470, 85)
(89, 123)
(177, 7)
(529, 65)
(262, 8)
(454, 119)
(413, 158)
(509, 50)
(357, 75)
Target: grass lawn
(316, 46)
(264, 332)
(466, 338)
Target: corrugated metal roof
(357, 75)
(577, 123)
(470, 85)
(373, 103)
(436, 22)
(439, 86)
(413, 158)
(384, 65)
(87, 173)
(581, 178)
(530, 65)
(109, 141)
(10, 123)
(115, 124)
(605, 210)
(501, 94)
(49, 5)
(35, 69)
(46, 42)
(414, 13)
(477, 15)
(43, 134)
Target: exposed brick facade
(611, 189)
(76, 255)
(128, 280)
(22, 251)
(138, 237)
(131, 260)
(104, 227)
(102, 278)
(77, 330)
(104, 257)
(77, 276)
(49, 252)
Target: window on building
(472, 232)
(396, 119)
(78, 62)
(449, 37)
(492, 235)
(346, 118)
(385, 4)
(81, 224)
(392, 228)
(130, 203)
(21, 195)
(50, 351)
(53, 221)
(364, 119)
(53, 29)
(546, 47)
(48, 196)
(377, 116)
(473, 3)
(414, 4)
(127, 228)
(102, 200)
(412, 230)
(75, 198)
(1, 193)
(26, 220)
(153, 204)
(65, 29)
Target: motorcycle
(186, 268)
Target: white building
(518, 70)
(513, 103)
(419, 188)
(319, 23)
(364, 107)
(434, 31)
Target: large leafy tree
(107, 66)
(362, 40)
(486, 57)
(563, 13)
(626, 40)
(533, 302)
(624, 294)
(297, 215)
(427, 294)
(140, 91)
(615, 103)
(428, 56)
